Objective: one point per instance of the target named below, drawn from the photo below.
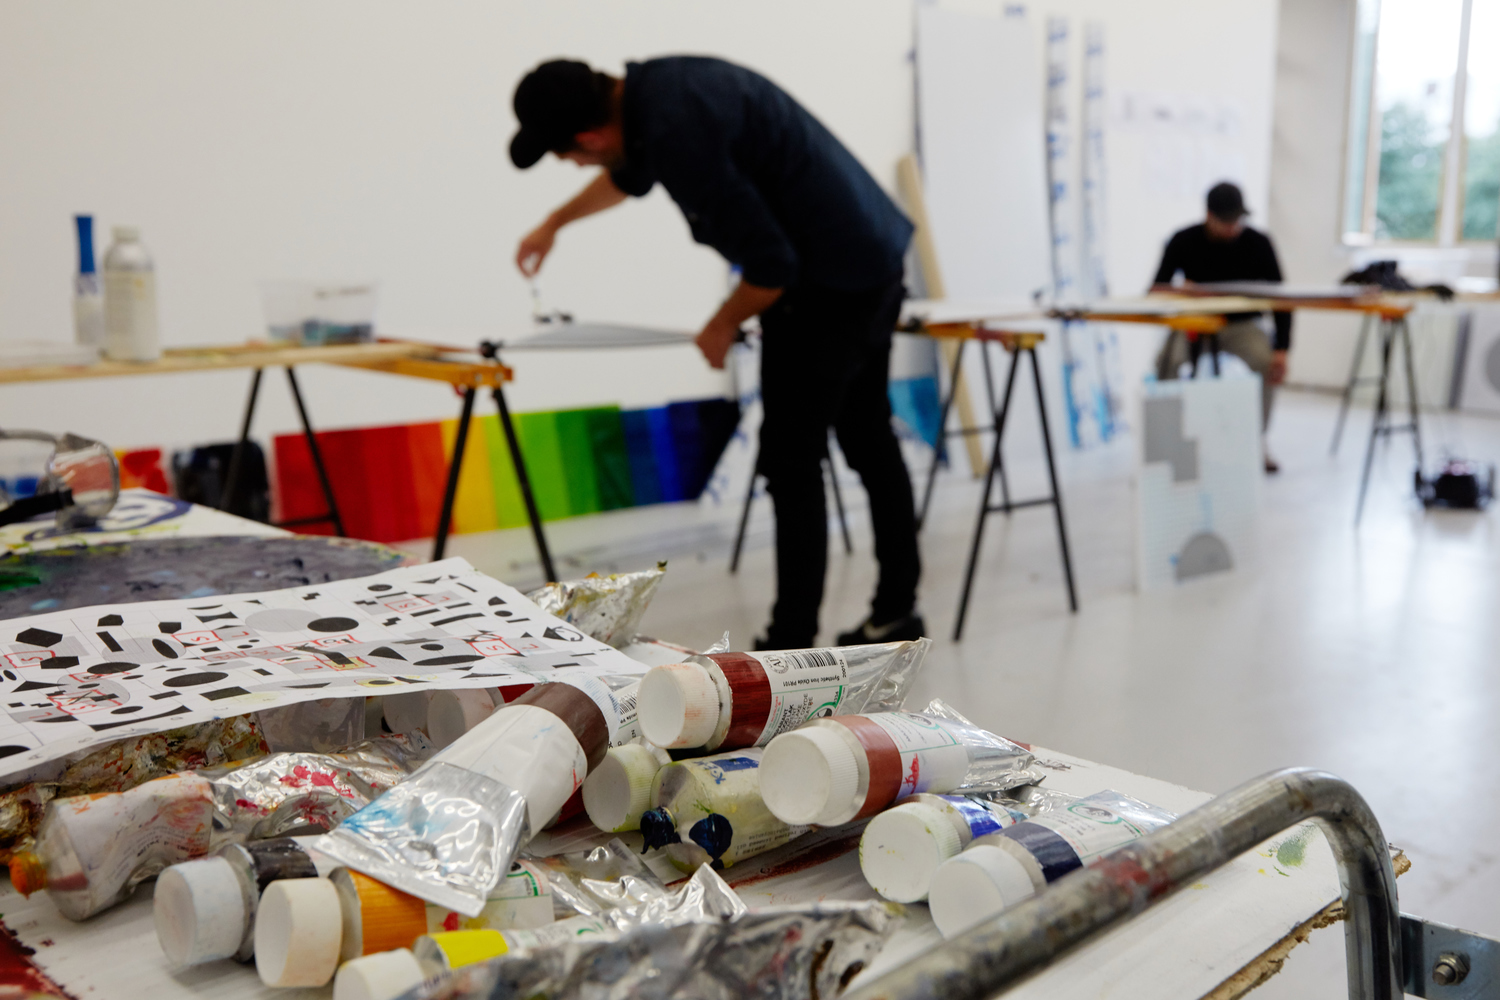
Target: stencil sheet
(73, 679)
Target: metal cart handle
(997, 954)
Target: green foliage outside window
(1411, 170)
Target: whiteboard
(982, 144)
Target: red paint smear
(450, 922)
(19, 972)
(813, 856)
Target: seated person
(1223, 248)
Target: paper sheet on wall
(74, 679)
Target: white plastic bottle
(130, 332)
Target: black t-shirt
(758, 177)
(1249, 257)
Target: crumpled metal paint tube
(93, 850)
(607, 608)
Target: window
(1423, 144)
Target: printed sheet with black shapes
(70, 680)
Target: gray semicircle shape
(1204, 553)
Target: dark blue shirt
(759, 178)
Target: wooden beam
(909, 183)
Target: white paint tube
(434, 957)
(729, 700)
(204, 910)
(902, 847)
(710, 811)
(93, 850)
(306, 930)
(849, 767)
(1001, 869)
(450, 832)
(618, 791)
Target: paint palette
(70, 680)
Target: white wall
(265, 139)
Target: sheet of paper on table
(78, 678)
(1182, 949)
(139, 513)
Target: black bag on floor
(199, 475)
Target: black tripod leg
(1348, 396)
(1062, 529)
(518, 462)
(237, 457)
(940, 450)
(317, 455)
(1378, 420)
(1411, 393)
(984, 500)
(455, 464)
(739, 536)
(999, 453)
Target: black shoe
(905, 629)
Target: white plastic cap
(406, 711)
(450, 714)
(811, 775)
(126, 233)
(382, 976)
(200, 912)
(678, 705)
(902, 847)
(619, 789)
(298, 930)
(975, 886)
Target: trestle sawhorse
(406, 358)
(1017, 345)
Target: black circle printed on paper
(432, 645)
(112, 668)
(126, 710)
(380, 586)
(193, 680)
(164, 648)
(332, 624)
(6, 751)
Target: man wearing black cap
(1223, 248)
(820, 249)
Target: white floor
(1372, 653)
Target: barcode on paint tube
(804, 659)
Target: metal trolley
(1388, 952)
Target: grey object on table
(170, 568)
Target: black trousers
(825, 363)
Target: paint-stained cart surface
(1217, 938)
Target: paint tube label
(581, 928)
(980, 816)
(523, 900)
(120, 839)
(932, 756)
(1069, 838)
(627, 729)
(616, 714)
(805, 684)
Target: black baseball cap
(1226, 202)
(553, 103)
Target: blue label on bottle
(1053, 853)
(979, 819)
(736, 764)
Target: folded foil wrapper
(698, 943)
(593, 882)
(607, 608)
(446, 834)
(995, 763)
(285, 793)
